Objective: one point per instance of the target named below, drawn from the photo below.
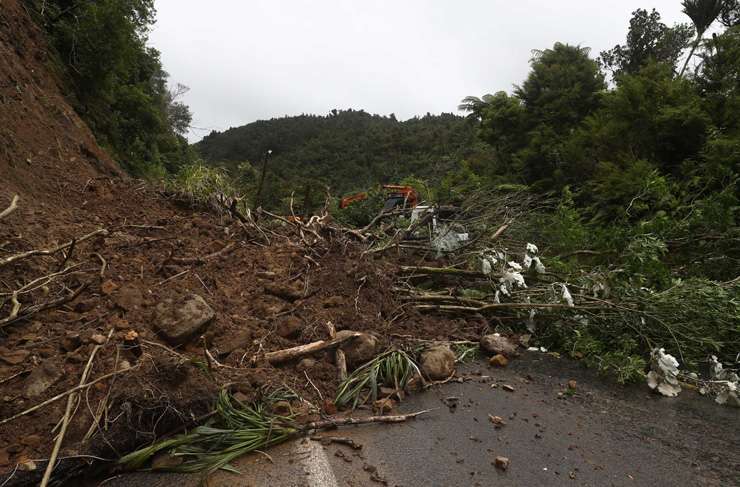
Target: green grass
(393, 368)
(237, 429)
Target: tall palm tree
(702, 13)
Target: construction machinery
(397, 195)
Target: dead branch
(203, 260)
(53, 250)
(37, 308)
(444, 271)
(339, 357)
(67, 416)
(173, 277)
(289, 354)
(336, 422)
(64, 394)
(10, 209)
(493, 306)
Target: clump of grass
(237, 429)
(200, 182)
(393, 368)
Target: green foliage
(117, 83)
(393, 368)
(348, 151)
(648, 40)
(200, 183)
(236, 430)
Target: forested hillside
(346, 150)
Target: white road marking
(316, 463)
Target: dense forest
(346, 150)
(116, 82)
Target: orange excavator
(403, 196)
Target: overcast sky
(247, 60)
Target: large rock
(438, 363)
(358, 350)
(40, 379)
(497, 344)
(178, 320)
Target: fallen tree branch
(339, 357)
(67, 416)
(37, 308)
(492, 306)
(289, 354)
(64, 394)
(10, 209)
(443, 271)
(336, 422)
(53, 250)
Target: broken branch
(10, 209)
(336, 422)
(36, 308)
(289, 354)
(53, 250)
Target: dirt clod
(358, 350)
(499, 360)
(438, 363)
(502, 463)
(497, 344)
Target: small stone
(13, 357)
(329, 407)
(438, 363)
(384, 405)
(71, 342)
(98, 339)
(499, 360)
(497, 421)
(507, 388)
(502, 463)
(124, 365)
(27, 466)
(40, 379)
(177, 321)
(305, 364)
(497, 344)
(108, 287)
(572, 385)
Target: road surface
(602, 435)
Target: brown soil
(69, 187)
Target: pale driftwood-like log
(336, 422)
(339, 357)
(282, 356)
(10, 209)
(53, 250)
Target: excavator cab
(403, 196)
(398, 196)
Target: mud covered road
(602, 435)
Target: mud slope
(40, 134)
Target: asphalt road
(603, 435)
